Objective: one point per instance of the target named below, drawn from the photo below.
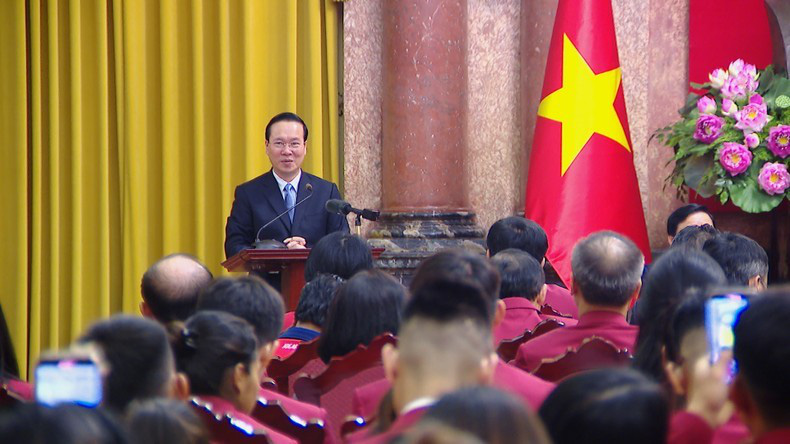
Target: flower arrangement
(733, 140)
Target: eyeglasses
(279, 144)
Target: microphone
(272, 244)
(337, 206)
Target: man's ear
(540, 299)
(757, 282)
(389, 359)
(674, 373)
(240, 373)
(180, 388)
(145, 310)
(499, 312)
(635, 295)
(266, 353)
(487, 367)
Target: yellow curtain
(126, 126)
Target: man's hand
(707, 392)
(295, 242)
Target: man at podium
(297, 197)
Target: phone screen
(720, 314)
(76, 381)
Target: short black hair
(762, 353)
(315, 299)
(338, 253)
(694, 236)
(680, 214)
(740, 257)
(607, 405)
(170, 293)
(517, 232)
(139, 356)
(522, 276)
(366, 306)
(249, 298)
(63, 424)
(285, 117)
(445, 300)
(607, 268)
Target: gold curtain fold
(126, 126)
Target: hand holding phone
(721, 311)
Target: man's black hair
(315, 299)
(520, 233)
(682, 213)
(338, 253)
(249, 298)
(172, 297)
(522, 276)
(607, 268)
(694, 236)
(740, 257)
(444, 300)
(285, 117)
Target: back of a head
(607, 268)
(522, 276)
(165, 421)
(681, 214)
(490, 414)
(249, 298)
(315, 299)
(366, 306)
(671, 276)
(139, 357)
(459, 265)
(688, 316)
(741, 258)
(170, 287)
(607, 405)
(62, 424)
(338, 253)
(210, 343)
(694, 236)
(762, 354)
(520, 233)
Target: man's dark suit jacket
(260, 200)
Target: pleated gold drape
(124, 128)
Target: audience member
(218, 353)
(607, 269)
(366, 306)
(606, 406)
(490, 414)
(9, 369)
(694, 236)
(687, 215)
(668, 280)
(433, 432)
(338, 253)
(139, 358)
(62, 424)
(743, 260)
(164, 421)
(170, 288)
(526, 235)
(313, 306)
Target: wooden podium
(290, 264)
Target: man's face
(286, 148)
(697, 219)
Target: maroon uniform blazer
(520, 315)
(604, 324)
(301, 409)
(561, 300)
(688, 428)
(222, 406)
(401, 424)
(529, 388)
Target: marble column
(425, 199)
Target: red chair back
(508, 348)
(305, 358)
(224, 428)
(274, 415)
(352, 425)
(547, 309)
(593, 353)
(9, 399)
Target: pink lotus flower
(751, 140)
(735, 158)
(774, 178)
(751, 71)
(736, 67)
(706, 105)
(732, 89)
(779, 140)
(728, 108)
(708, 128)
(717, 78)
(752, 117)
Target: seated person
(489, 414)
(694, 236)
(139, 359)
(685, 216)
(341, 254)
(743, 260)
(445, 344)
(667, 282)
(606, 406)
(9, 368)
(218, 354)
(607, 270)
(165, 421)
(62, 424)
(463, 266)
(170, 288)
(366, 306)
(311, 312)
(526, 235)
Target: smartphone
(75, 381)
(721, 311)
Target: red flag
(581, 173)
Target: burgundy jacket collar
(597, 318)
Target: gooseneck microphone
(270, 244)
(337, 206)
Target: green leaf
(747, 195)
(695, 172)
(724, 196)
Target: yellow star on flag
(584, 105)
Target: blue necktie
(290, 199)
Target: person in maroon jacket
(607, 271)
